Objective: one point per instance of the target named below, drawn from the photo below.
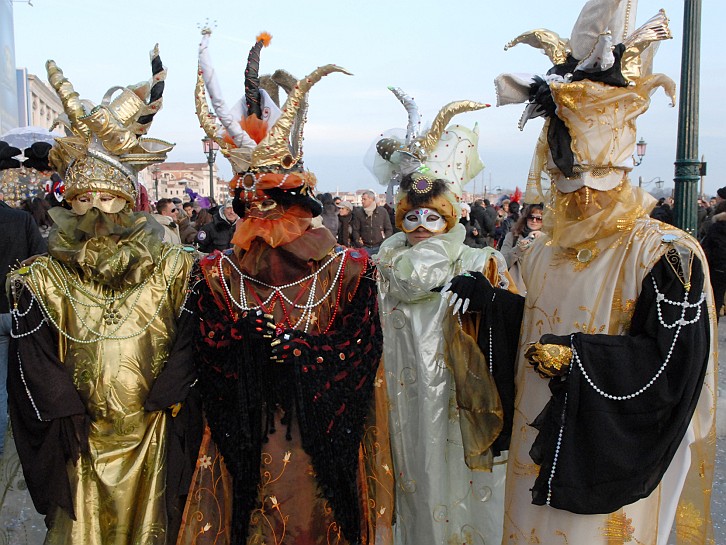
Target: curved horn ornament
(275, 147)
(550, 42)
(429, 140)
(72, 104)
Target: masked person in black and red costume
(289, 343)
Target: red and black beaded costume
(288, 350)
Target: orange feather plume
(264, 37)
(255, 127)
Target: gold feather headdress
(274, 157)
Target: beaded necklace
(62, 279)
(277, 292)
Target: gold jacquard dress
(113, 343)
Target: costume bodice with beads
(300, 293)
(110, 340)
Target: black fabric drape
(612, 453)
(502, 315)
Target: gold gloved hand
(549, 360)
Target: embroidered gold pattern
(618, 529)
(689, 523)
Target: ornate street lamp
(155, 173)
(210, 150)
(658, 182)
(640, 151)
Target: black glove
(289, 345)
(468, 291)
(261, 323)
(551, 356)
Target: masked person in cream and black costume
(289, 345)
(614, 429)
(101, 338)
(446, 417)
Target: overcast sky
(436, 51)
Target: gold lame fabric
(587, 217)
(119, 488)
(585, 275)
(480, 409)
(117, 250)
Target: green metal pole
(688, 167)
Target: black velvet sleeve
(498, 339)
(614, 423)
(175, 384)
(47, 414)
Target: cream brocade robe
(565, 296)
(439, 500)
(118, 491)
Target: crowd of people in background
(505, 224)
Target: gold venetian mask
(105, 202)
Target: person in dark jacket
(19, 239)
(662, 212)
(714, 246)
(330, 213)
(217, 235)
(474, 236)
(371, 224)
(477, 211)
(187, 232)
(345, 217)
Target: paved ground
(21, 525)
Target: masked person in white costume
(613, 434)
(446, 418)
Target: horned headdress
(420, 158)
(262, 141)
(600, 83)
(106, 147)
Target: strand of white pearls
(16, 315)
(307, 308)
(27, 391)
(491, 343)
(99, 336)
(685, 305)
(660, 299)
(557, 451)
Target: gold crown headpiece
(275, 147)
(603, 65)
(105, 148)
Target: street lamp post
(687, 166)
(658, 182)
(639, 151)
(210, 150)
(155, 173)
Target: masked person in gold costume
(446, 417)
(101, 346)
(288, 345)
(614, 434)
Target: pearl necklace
(660, 298)
(59, 270)
(277, 291)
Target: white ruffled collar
(409, 273)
